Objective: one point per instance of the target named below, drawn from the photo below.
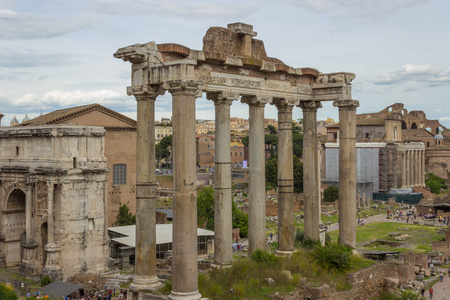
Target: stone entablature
(53, 200)
(219, 67)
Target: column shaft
(408, 169)
(185, 255)
(50, 226)
(310, 170)
(286, 219)
(223, 253)
(28, 210)
(257, 181)
(423, 168)
(403, 169)
(145, 279)
(347, 171)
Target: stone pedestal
(28, 265)
(347, 171)
(52, 268)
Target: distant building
(120, 148)
(205, 151)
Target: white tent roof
(163, 234)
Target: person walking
(441, 277)
(422, 291)
(431, 292)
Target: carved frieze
(41, 199)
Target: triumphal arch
(53, 200)
(232, 66)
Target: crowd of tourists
(90, 296)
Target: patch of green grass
(420, 241)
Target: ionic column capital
(225, 97)
(256, 100)
(310, 105)
(346, 104)
(184, 87)
(144, 92)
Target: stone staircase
(114, 279)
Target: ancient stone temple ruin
(232, 66)
(52, 200)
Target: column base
(219, 266)
(145, 284)
(185, 296)
(27, 268)
(54, 273)
(283, 253)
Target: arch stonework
(232, 65)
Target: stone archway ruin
(14, 216)
(232, 66)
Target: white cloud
(68, 98)
(17, 25)
(357, 8)
(412, 77)
(197, 9)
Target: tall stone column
(403, 169)
(223, 253)
(347, 171)
(28, 211)
(408, 169)
(286, 218)
(184, 244)
(52, 268)
(145, 279)
(50, 219)
(311, 169)
(257, 176)
(423, 168)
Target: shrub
(332, 256)
(331, 194)
(265, 257)
(7, 292)
(45, 281)
(408, 295)
(300, 240)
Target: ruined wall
(366, 284)
(441, 246)
(417, 259)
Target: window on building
(119, 174)
(235, 153)
(240, 153)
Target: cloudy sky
(56, 54)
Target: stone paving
(441, 289)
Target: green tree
(124, 217)
(7, 293)
(205, 212)
(298, 175)
(297, 140)
(272, 172)
(240, 220)
(205, 208)
(331, 194)
(272, 129)
(162, 149)
(435, 183)
(245, 140)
